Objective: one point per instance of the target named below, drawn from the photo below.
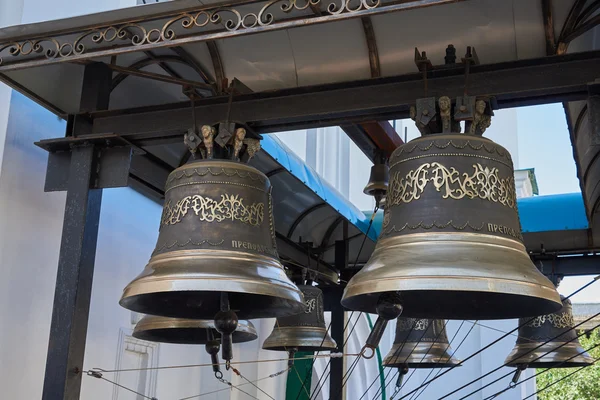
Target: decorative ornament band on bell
(187, 331)
(305, 331)
(420, 343)
(450, 245)
(548, 340)
(216, 236)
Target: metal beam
(70, 312)
(569, 266)
(534, 81)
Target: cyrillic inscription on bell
(549, 340)
(451, 244)
(188, 331)
(305, 331)
(216, 237)
(420, 343)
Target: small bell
(378, 182)
(420, 343)
(305, 331)
(531, 351)
(191, 331)
(187, 331)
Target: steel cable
(524, 354)
(318, 387)
(490, 345)
(416, 395)
(398, 350)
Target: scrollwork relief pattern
(560, 321)
(408, 324)
(230, 207)
(484, 183)
(134, 33)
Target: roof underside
(307, 45)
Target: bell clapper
(291, 352)
(226, 322)
(212, 347)
(517, 375)
(402, 371)
(388, 308)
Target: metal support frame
(68, 330)
(337, 320)
(525, 82)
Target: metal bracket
(112, 161)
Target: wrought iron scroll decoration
(226, 16)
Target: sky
(544, 144)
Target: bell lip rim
(151, 336)
(139, 285)
(539, 287)
(348, 299)
(447, 355)
(514, 359)
(320, 342)
(153, 322)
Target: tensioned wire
(524, 354)
(537, 358)
(487, 347)
(397, 390)
(396, 353)
(504, 364)
(559, 380)
(417, 395)
(412, 350)
(554, 366)
(325, 375)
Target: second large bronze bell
(305, 331)
(450, 245)
(420, 343)
(216, 238)
(562, 347)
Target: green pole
(379, 361)
(300, 373)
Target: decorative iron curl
(138, 35)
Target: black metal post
(337, 325)
(70, 312)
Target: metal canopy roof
(204, 42)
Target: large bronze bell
(420, 343)
(305, 331)
(216, 237)
(531, 351)
(450, 245)
(188, 331)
